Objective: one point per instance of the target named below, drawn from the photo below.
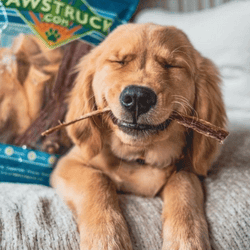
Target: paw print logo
(52, 35)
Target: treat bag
(3, 19)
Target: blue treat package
(57, 23)
(22, 165)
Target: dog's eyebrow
(176, 61)
(122, 57)
(163, 60)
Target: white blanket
(34, 217)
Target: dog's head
(144, 72)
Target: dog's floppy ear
(210, 107)
(85, 133)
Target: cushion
(34, 217)
(221, 34)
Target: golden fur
(105, 158)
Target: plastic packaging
(19, 164)
(58, 22)
(11, 25)
(3, 18)
(32, 33)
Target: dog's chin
(135, 133)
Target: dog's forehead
(167, 37)
(132, 37)
(127, 35)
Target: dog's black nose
(137, 99)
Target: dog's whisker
(187, 106)
(154, 119)
(181, 97)
(183, 106)
(185, 100)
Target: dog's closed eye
(122, 59)
(121, 62)
(167, 64)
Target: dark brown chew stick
(201, 126)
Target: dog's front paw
(105, 239)
(106, 235)
(191, 235)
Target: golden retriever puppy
(143, 72)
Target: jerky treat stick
(199, 125)
(14, 117)
(34, 86)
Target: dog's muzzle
(137, 100)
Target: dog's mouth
(132, 128)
